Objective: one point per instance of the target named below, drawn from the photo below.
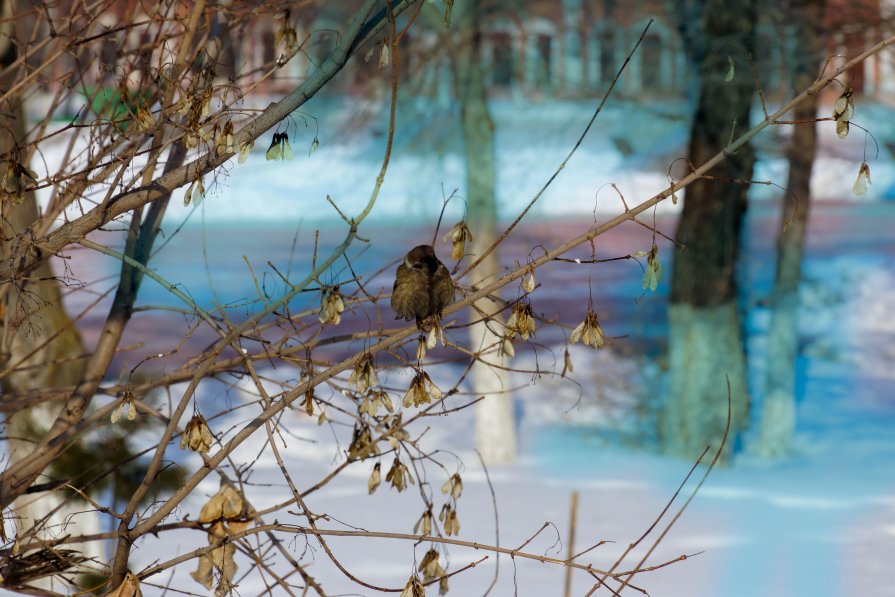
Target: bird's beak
(407, 263)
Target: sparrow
(423, 287)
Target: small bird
(423, 287)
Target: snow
(820, 522)
(631, 145)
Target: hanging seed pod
(436, 334)
(863, 180)
(521, 321)
(286, 151)
(449, 520)
(331, 306)
(528, 281)
(244, 150)
(653, 272)
(430, 567)
(127, 402)
(273, 152)
(844, 107)
(843, 111)
(399, 476)
(188, 196)
(421, 391)
(199, 193)
(197, 436)
(414, 588)
(362, 445)
(375, 479)
(364, 376)
(308, 402)
(453, 486)
(588, 331)
(459, 235)
(567, 363)
(384, 55)
(424, 524)
(507, 348)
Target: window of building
(502, 66)
(543, 61)
(607, 55)
(651, 62)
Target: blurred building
(531, 49)
(573, 48)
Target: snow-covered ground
(819, 523)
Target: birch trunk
(495, 421)
(778, 415)
(705, 340)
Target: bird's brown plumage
(423, 286)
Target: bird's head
(422, 257)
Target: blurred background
(777, 279)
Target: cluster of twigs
(181, 119)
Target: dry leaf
(863, 180)
(129, 587)
(384, 55)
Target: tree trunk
(38, 339)
(778, 415)
(705, 340)
(495, 422)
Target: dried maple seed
(459, 235)
(521, 321)
(375, 479)
(421, 390)
(273, 152)
(308, 402)
(244, 150)
(863, 180)
(843, 111)
(414, 588)
(399, 476)
(588, 331)
(127, 402)
(331, 306)
(506, 347)
(653, 272)
(454, 486)
(430, 566)
(227, 512)
(567, 363)
(448, 518)
(286, 149)
(424, 524)
(197, 436)
(528, 281)
(436, 334)
(384, 55)
(362, 445)
(364, 376)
